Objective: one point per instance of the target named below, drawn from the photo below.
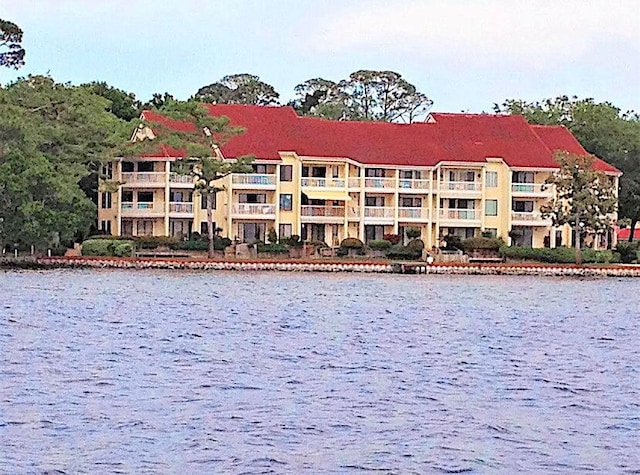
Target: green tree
(52, 137)
(124, 105)
(602, 129)
(201, 147)
(11, 50)
(585, 198)
(157, 101)
(365, 95)
(238, 89)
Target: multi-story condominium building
(454, 174)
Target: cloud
(533, 33)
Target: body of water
(178, 372)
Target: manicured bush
(122, 248)
(392, 238)
(293, 241)
(482, 243)
(453, 243)
(272, 236)
(628, 251)
(352, 243)
(404, 252)
(417, 245)
(558, 255)
(413, 233)
(272, 247)
(221, 244)
(191, 246)
(152, 242)
(107, 247)
(379, 244)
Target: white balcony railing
(379, 212)
(461, 186)
(327, 211)
(257, 179)
(182, 207)
(380, 183)
(254, 209)
(136, 206)
(413, 213)
(322, 182)
(459, 214)
(354, 182)
(143, 177)
(531, 188)
(178, 178)
(527, 216)
(414, 184)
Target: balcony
(380, 184)
(354, 182)
(379, 214)
(413, 214)
(532, 190)
(419, 186)
(253, 210)
(183, 208)
(144, 179)
(533, 218)
(255, 181)
(178, 179)
(141, 209)
(322, 213)
(322, 182)
(460, 217)
(461, 188)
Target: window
(490, 232)
(145, 196)
(335, 171)
(105, 226)
(145, 166)
(410, 202)
(127, 196)
(127, 167)
(106, 200)
(203, 201)
(461, 204)
(523, 177)
(374, 172)
(252, 198)
(127, 227)
(285, 231)
(286, 202)
(107, 170)
(144, 227)
(259, 169)
(492, 179)
(523, 206)
(373, 232)
(491, 207)
(286, 173)
(374, 201)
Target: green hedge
(558, 255)
(107, 247)
(629, 251)
(262, 247)
(405, 252)
(482, 243)
(352, 243)
(191, 246)
(379, 244)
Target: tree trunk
(578, 241)
(210, 225)
(633, 227)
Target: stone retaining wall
(370, 267)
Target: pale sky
(464, 54)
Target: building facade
(455, 174)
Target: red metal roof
(444, 138)
(623, 234)
(558, 137)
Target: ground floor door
(313, 232)
(522, 236)
(252, 232)
(180, 228)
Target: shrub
(559, 255)
(453, 243)
(152, 242)
(272, 236)
(404, 252)
(191, 246)
(413, 233)
(293, 241)
(107, 247)
(58, 250)
(221, 244)
(416, 245)
(482, 243)
(379, 244)
(272, 247)
(352, 243)
(392, 238)
(628, 251)
(122, 249)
